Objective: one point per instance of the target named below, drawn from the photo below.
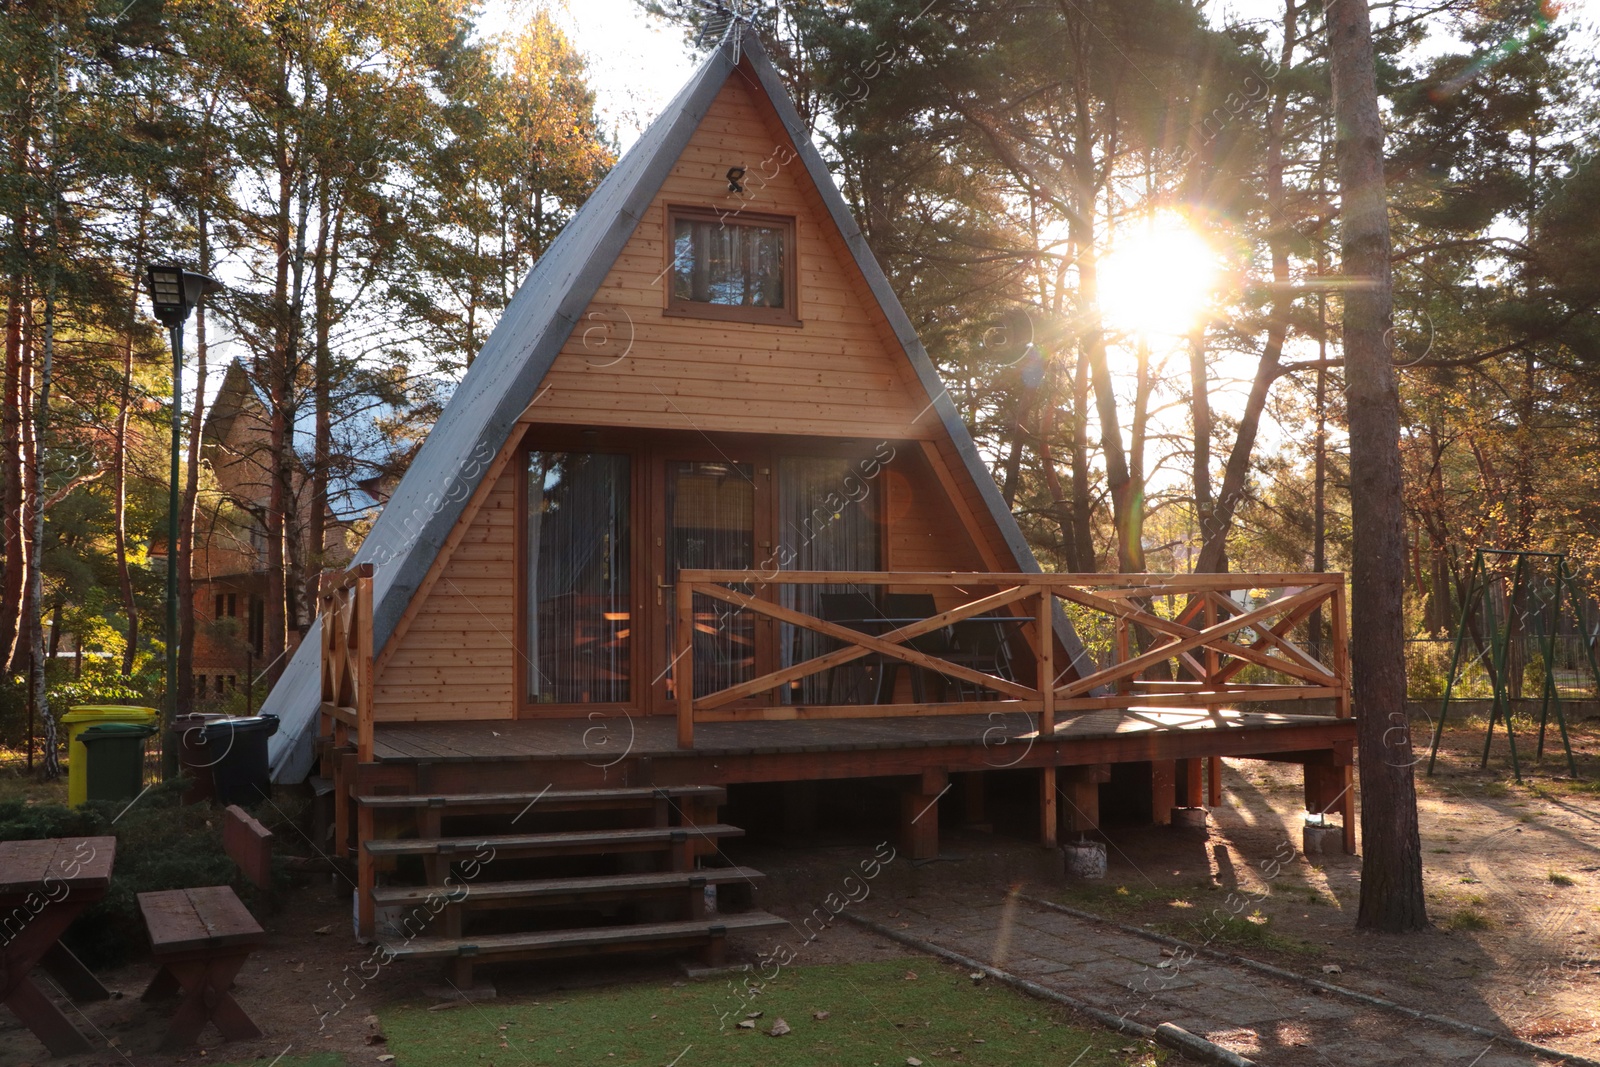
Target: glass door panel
(579, 625)
(710, 517)
(827, 521)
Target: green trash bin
(82, 718)
(115, 752)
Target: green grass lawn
(888, 1014)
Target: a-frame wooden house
(705, 443)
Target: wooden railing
(1189, 658)
(347, 661)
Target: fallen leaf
(911, 976)
(747, 1024)
(754, 1015)
(1332, 968)
(912, 1061)
(446, 1006)
(779, 1028)
(820, 1015)
(388, 1058)
(976, 976)
(324, 929)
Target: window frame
(788, 315)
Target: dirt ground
(1512, 876)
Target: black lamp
(174, 292)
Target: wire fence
(1428, 661)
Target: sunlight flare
(1158, 279)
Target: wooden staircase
(488, 877)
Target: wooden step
(561, 890)
(548, 799)
(566, 843)
(580, 942)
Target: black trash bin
(238, 750)
(115, 751)
(195, 755)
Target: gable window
(732, 266)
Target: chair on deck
(861, 680)
(937, 643)
(981, 646)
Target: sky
(636, 63)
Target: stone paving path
(1275, 1022)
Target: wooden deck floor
(618, 735)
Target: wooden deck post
(1044, 630)
(1327, 790)
(1080, 786)
(1214, 782)
(972, 800)
(366, 874)
(1163, 790)
(683, 664)
(362, 610)
(919, 816)
(1191, 789)
(1347, 808)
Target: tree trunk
(34, 617)
(1391, 879)
(11, 409)
(1200, 410)
(119, 457)
(191, 491)
(1236, 474)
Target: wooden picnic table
(44, 885)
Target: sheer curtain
(720, 262)
(826, 523)
(711, 526)
(578, 592)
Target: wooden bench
(201, 938)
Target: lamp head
(174, 292)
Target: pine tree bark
(1391, 880)
(11, 498)
(191, 489)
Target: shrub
(161, 844)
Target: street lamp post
(174, 292)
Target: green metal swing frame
(1499, 633)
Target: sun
(1158, 278)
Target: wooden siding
(455, 659)
(923, 530)
(838, 374)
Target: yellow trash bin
(81, 718)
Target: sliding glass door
(710, 517)
(579, 621)
(827, 521)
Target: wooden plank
(642, 935)
(814, 712)
(1309, 671)
(547, 798)
(1133, 584)
(187, 920)
(1134, 665)
(81, 864)
(593, 841)
(858, 644)
(621, 886)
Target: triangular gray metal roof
(506, 374)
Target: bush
(161, 844)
